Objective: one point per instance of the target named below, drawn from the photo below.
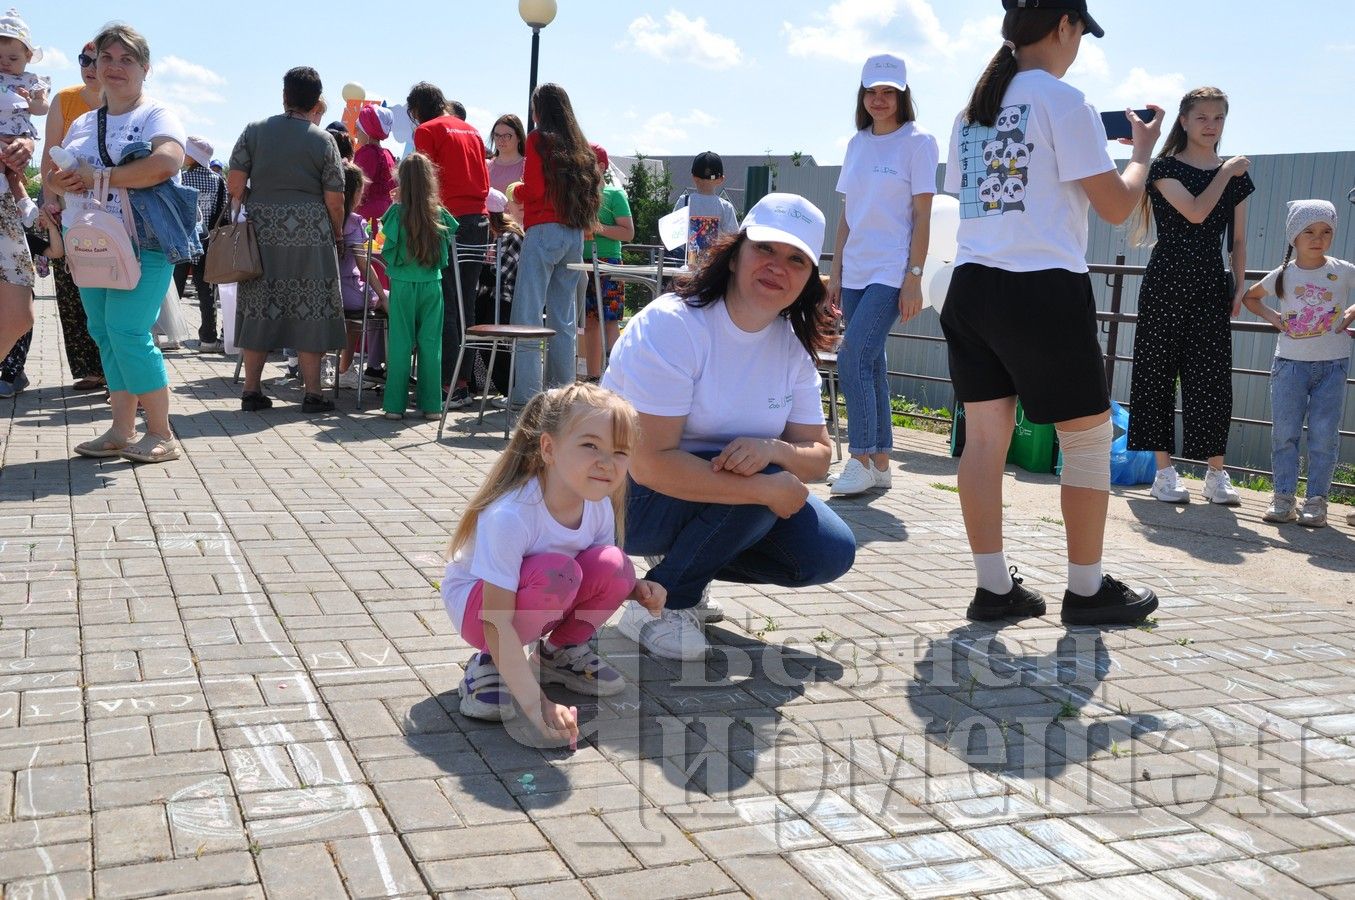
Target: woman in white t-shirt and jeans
(722, 374)
(1027, 156)
(888, 180)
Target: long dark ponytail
(1021, 27)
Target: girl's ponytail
(1279, 279)
(1020, 28)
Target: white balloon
(936, 281)
(945, 227)
(353, 91)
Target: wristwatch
(915, 270)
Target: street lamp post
(537, 14)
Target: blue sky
(737, 76)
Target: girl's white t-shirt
(1021, 208)
(880, 176)
(1314, 301)
(678, 360)
(512, 528)
(145, 122)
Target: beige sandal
(105, 446)
(152, 449)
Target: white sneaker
(1218, 488)
(855, 479)
(210, 346)
(1314, 512)
(1282, 509)
(706, 609)
(1167, 487)
(884, 478)
(171, 345)
(352, 378)
(675, 635)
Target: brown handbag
(232, 251)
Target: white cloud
(54, 59)
(848, 30)
(1140, 87)
(685, 40)
(186, 88)
(1091, 63)
(664, 132)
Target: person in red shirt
(457, 153)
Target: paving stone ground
(231, 676)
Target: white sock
(1084, 581)
(1166, 469)
(992, 572)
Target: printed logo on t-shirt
(994, 164)
(780, 403)
(1317, 310)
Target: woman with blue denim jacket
(120, 320)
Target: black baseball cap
(1077, 6)
(708, 165)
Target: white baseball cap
(786, 219)
(886, 68)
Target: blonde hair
(550, 412)
(420, 219)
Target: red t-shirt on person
(537, 208)
(455, 149)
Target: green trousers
(415, 320)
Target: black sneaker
(373, 373)
(316, 403)
(1018, 603)
(253, 401)
(1114, 603)
(460, 397)
(292, 373)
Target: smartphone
(1117, 123)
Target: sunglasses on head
(85, 59)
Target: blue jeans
(869, 313)
(749, 544)
(545, 284)
(1317, 390)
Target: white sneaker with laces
(884, 478)
(1282, 509)
(675, 635)
(1218, 488)
(1314, 512)
(855, 479)
(352, 378)
(1167, 487)
(706, 609)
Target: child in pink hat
(376, 162)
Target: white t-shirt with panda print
(1021, 208)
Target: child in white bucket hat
(22, 93)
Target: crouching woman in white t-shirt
(1026, 158)
(722, 374)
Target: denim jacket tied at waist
(168, 209)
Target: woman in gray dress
(295, 200)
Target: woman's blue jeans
(545, 284)
(745, 543)
(869, 313)
(1316, 390)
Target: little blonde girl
(22, 94)
(537, 557)
(1312, 358)
(417, 232)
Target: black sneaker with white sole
(1018, 603)
(1114, 603)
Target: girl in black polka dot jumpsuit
(1184, 303)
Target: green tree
(648, 196)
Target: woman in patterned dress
(287, 173)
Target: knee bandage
(1086, 457)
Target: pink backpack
(99, 251)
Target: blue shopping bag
(1127, 466)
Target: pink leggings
(567, 599)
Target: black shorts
(1029, 334)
